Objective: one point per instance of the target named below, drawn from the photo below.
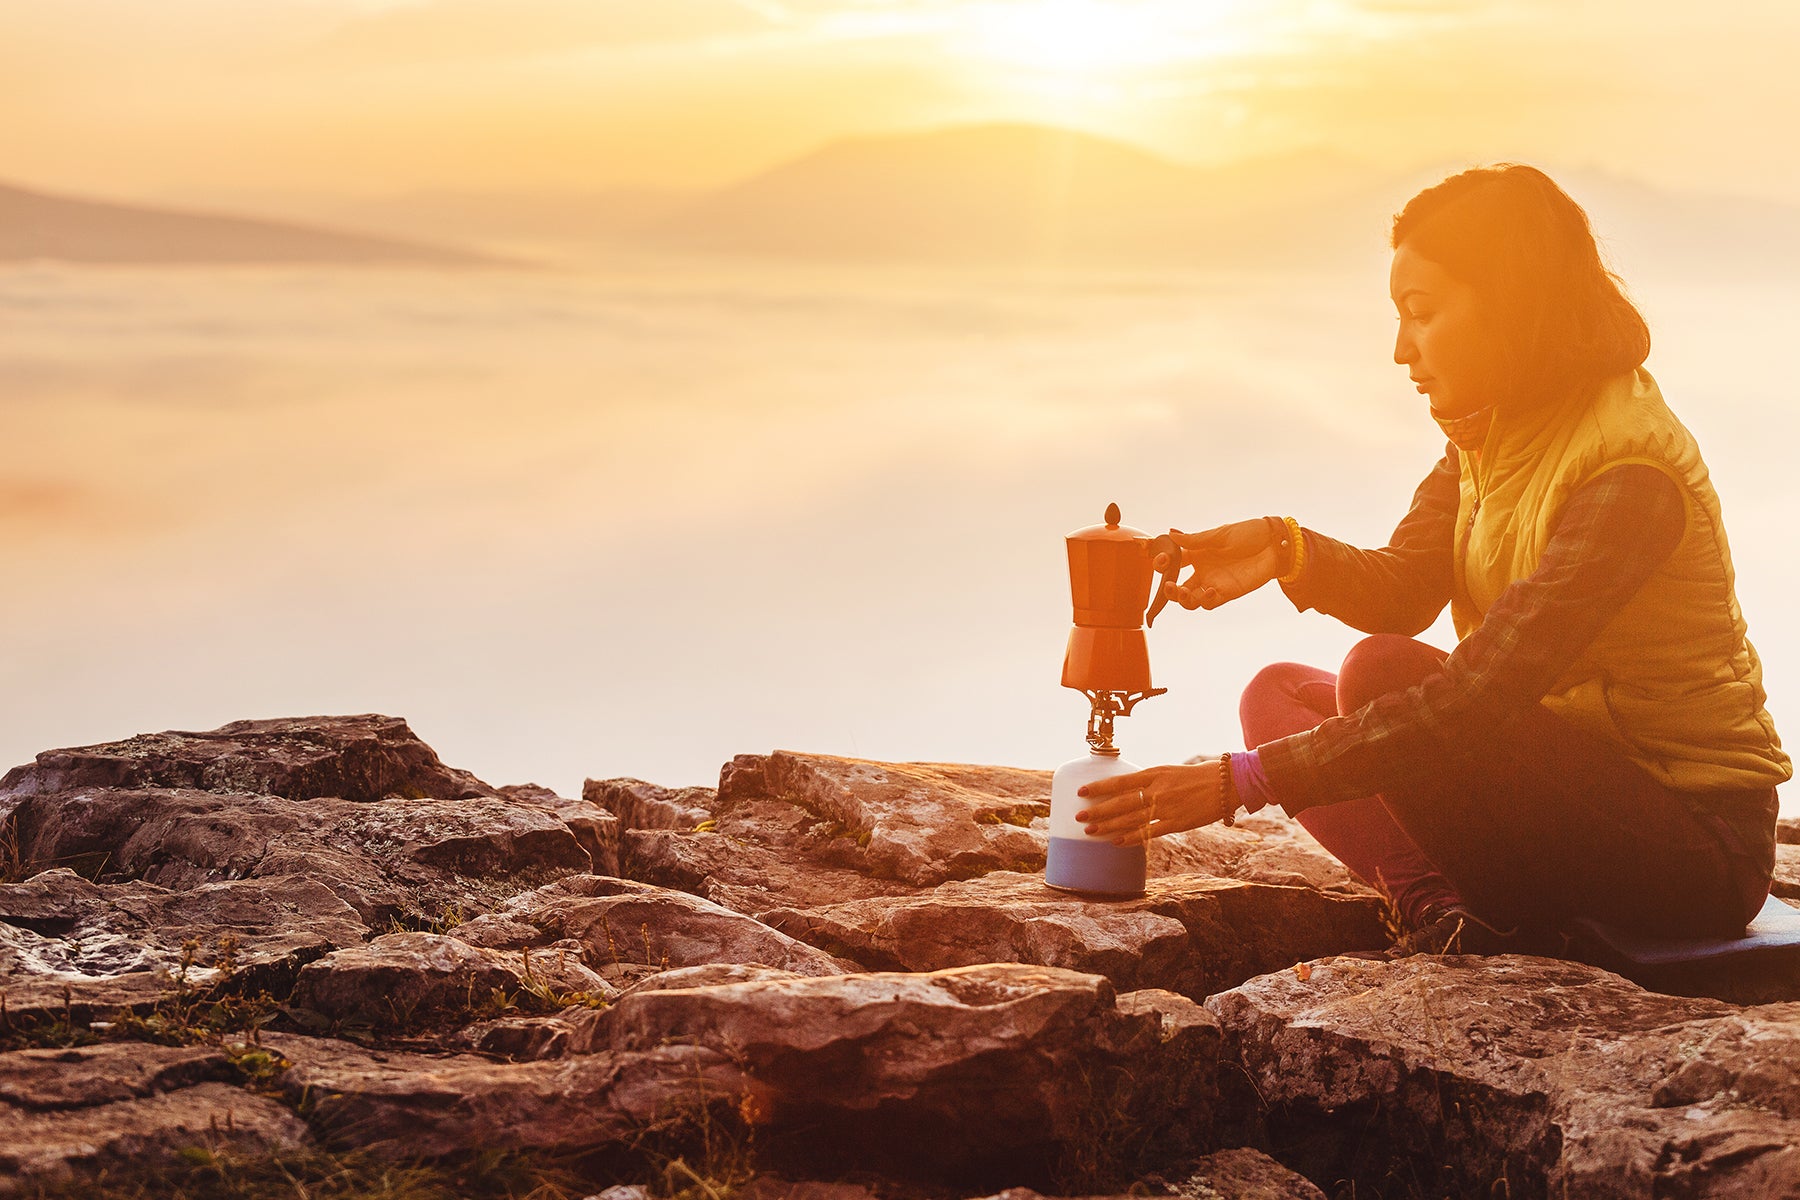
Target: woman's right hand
(1230, 561)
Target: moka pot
(1110, 577)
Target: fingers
(1116, 804)
(1123, 826)
(1199, 597)
(1121, 812)
(1117, 785)
(1211, 539)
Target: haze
(800, 342)
(210, 98)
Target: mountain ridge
(40, 225)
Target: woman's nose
(1405, 353)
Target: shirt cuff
(1250, 782)
(1288, 777)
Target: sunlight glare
(1078, 37)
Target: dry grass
(200, 1174)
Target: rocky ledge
(308, 950)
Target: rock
(82, 1112)
(743, 875)
(1244, 1174)
(1188, 934)
(530, 1039)
(1533, 1075)
(921, 823)
(1786, 884)
(31, 1002)
(361, 758)
(1266, 847)
(624, 1191)
(593, 826)
(621, 921)
(390, 860)
(1240, 1174)
(59, 928)
(640, 805)
(91, 1075)
(409, 1106)
(800, 831)
(708, 976)
(989, 1069)
(979, 1071)
(413, 980)
(1787, 831)
(773, 1187)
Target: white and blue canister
(1078, 862)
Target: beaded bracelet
(1297, 556)
(1227, 790)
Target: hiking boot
(1454, 930)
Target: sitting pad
(1775, 933)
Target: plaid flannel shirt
(1610, 537)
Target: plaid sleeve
(1609, 539)
(1400, 588)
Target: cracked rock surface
(311, 941)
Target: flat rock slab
(750, 877)
(593, 825)
(408, 1105)
(1555, 1077)
(1266, 847)
(74, 1113)
(59, 928)
(921, 823)
(982, 1069)
(354, 758)
(641, 805)
(793, 830)
(390, 859)
(619, 921)
(33, 1001)
(1189, 934)
(410, 981)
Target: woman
(1596, 744)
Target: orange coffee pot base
(1106, 660)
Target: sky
(195, 98)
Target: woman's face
(1442, 342)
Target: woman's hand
(1132, 809)
(1230, 561)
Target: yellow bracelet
(1297, 562)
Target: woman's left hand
(1132, 809)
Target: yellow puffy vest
(1672, 679)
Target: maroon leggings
(1530, 829)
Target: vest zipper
(1461, 564)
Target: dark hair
(1528, 251)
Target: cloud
(438, 30)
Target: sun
(1069, 37)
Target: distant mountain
(1039, 196)
(510, 220)
(1647, 228)
(1027, 193)
(36, 225)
